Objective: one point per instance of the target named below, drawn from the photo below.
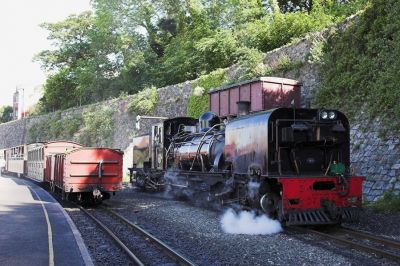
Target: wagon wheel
(65, 195)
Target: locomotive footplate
(320, 216)
(194, 180)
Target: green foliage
(6, 114)
(251, 62)
(317, 52)
(389, 203)
(198, 101)
(278, 29)
(342, 8)
(98, 128)
(143, 103)
(126, 46)
(60, 91)
(361, 65)
(95, 127)
(285, 64)
(55, 127)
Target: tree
(85, 63)
(127, 45)
(6, 114)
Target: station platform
(35, 229)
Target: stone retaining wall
(376, 158)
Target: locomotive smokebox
(208, 120)
(243, 107)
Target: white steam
(248, 223)
(253, 188)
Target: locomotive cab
(301, 160)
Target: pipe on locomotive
(140, 117)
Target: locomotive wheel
(269, 203)
(280, 215)
(140, 182)
(219, 193)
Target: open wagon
(87, 174)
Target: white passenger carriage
(35, 161)
(2, 160)
(16, 159)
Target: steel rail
(353, 244)
(128, 252)
(382, 240)
(182, 260)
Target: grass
(389, 203)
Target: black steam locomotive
(292, 163)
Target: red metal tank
(263, 94)
(90, 170)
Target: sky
(22, 38)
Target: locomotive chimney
(243, 107)
(208, 120)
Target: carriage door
(157, 146)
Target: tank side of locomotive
(301, 162)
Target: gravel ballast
(196, 232)
(101, 248)
(381, 224)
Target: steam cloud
(248, 223)
(253, 188)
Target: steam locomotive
(291, 163)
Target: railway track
(359, 240)
(138, 244)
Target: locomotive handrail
(200, 145)
(139, 117)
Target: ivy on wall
(98, 127)
(55, 127)
(198, 101)
(361, 66)
(143, 102)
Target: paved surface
(34, 229)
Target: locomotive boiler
(291, 163)
(200, 151)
